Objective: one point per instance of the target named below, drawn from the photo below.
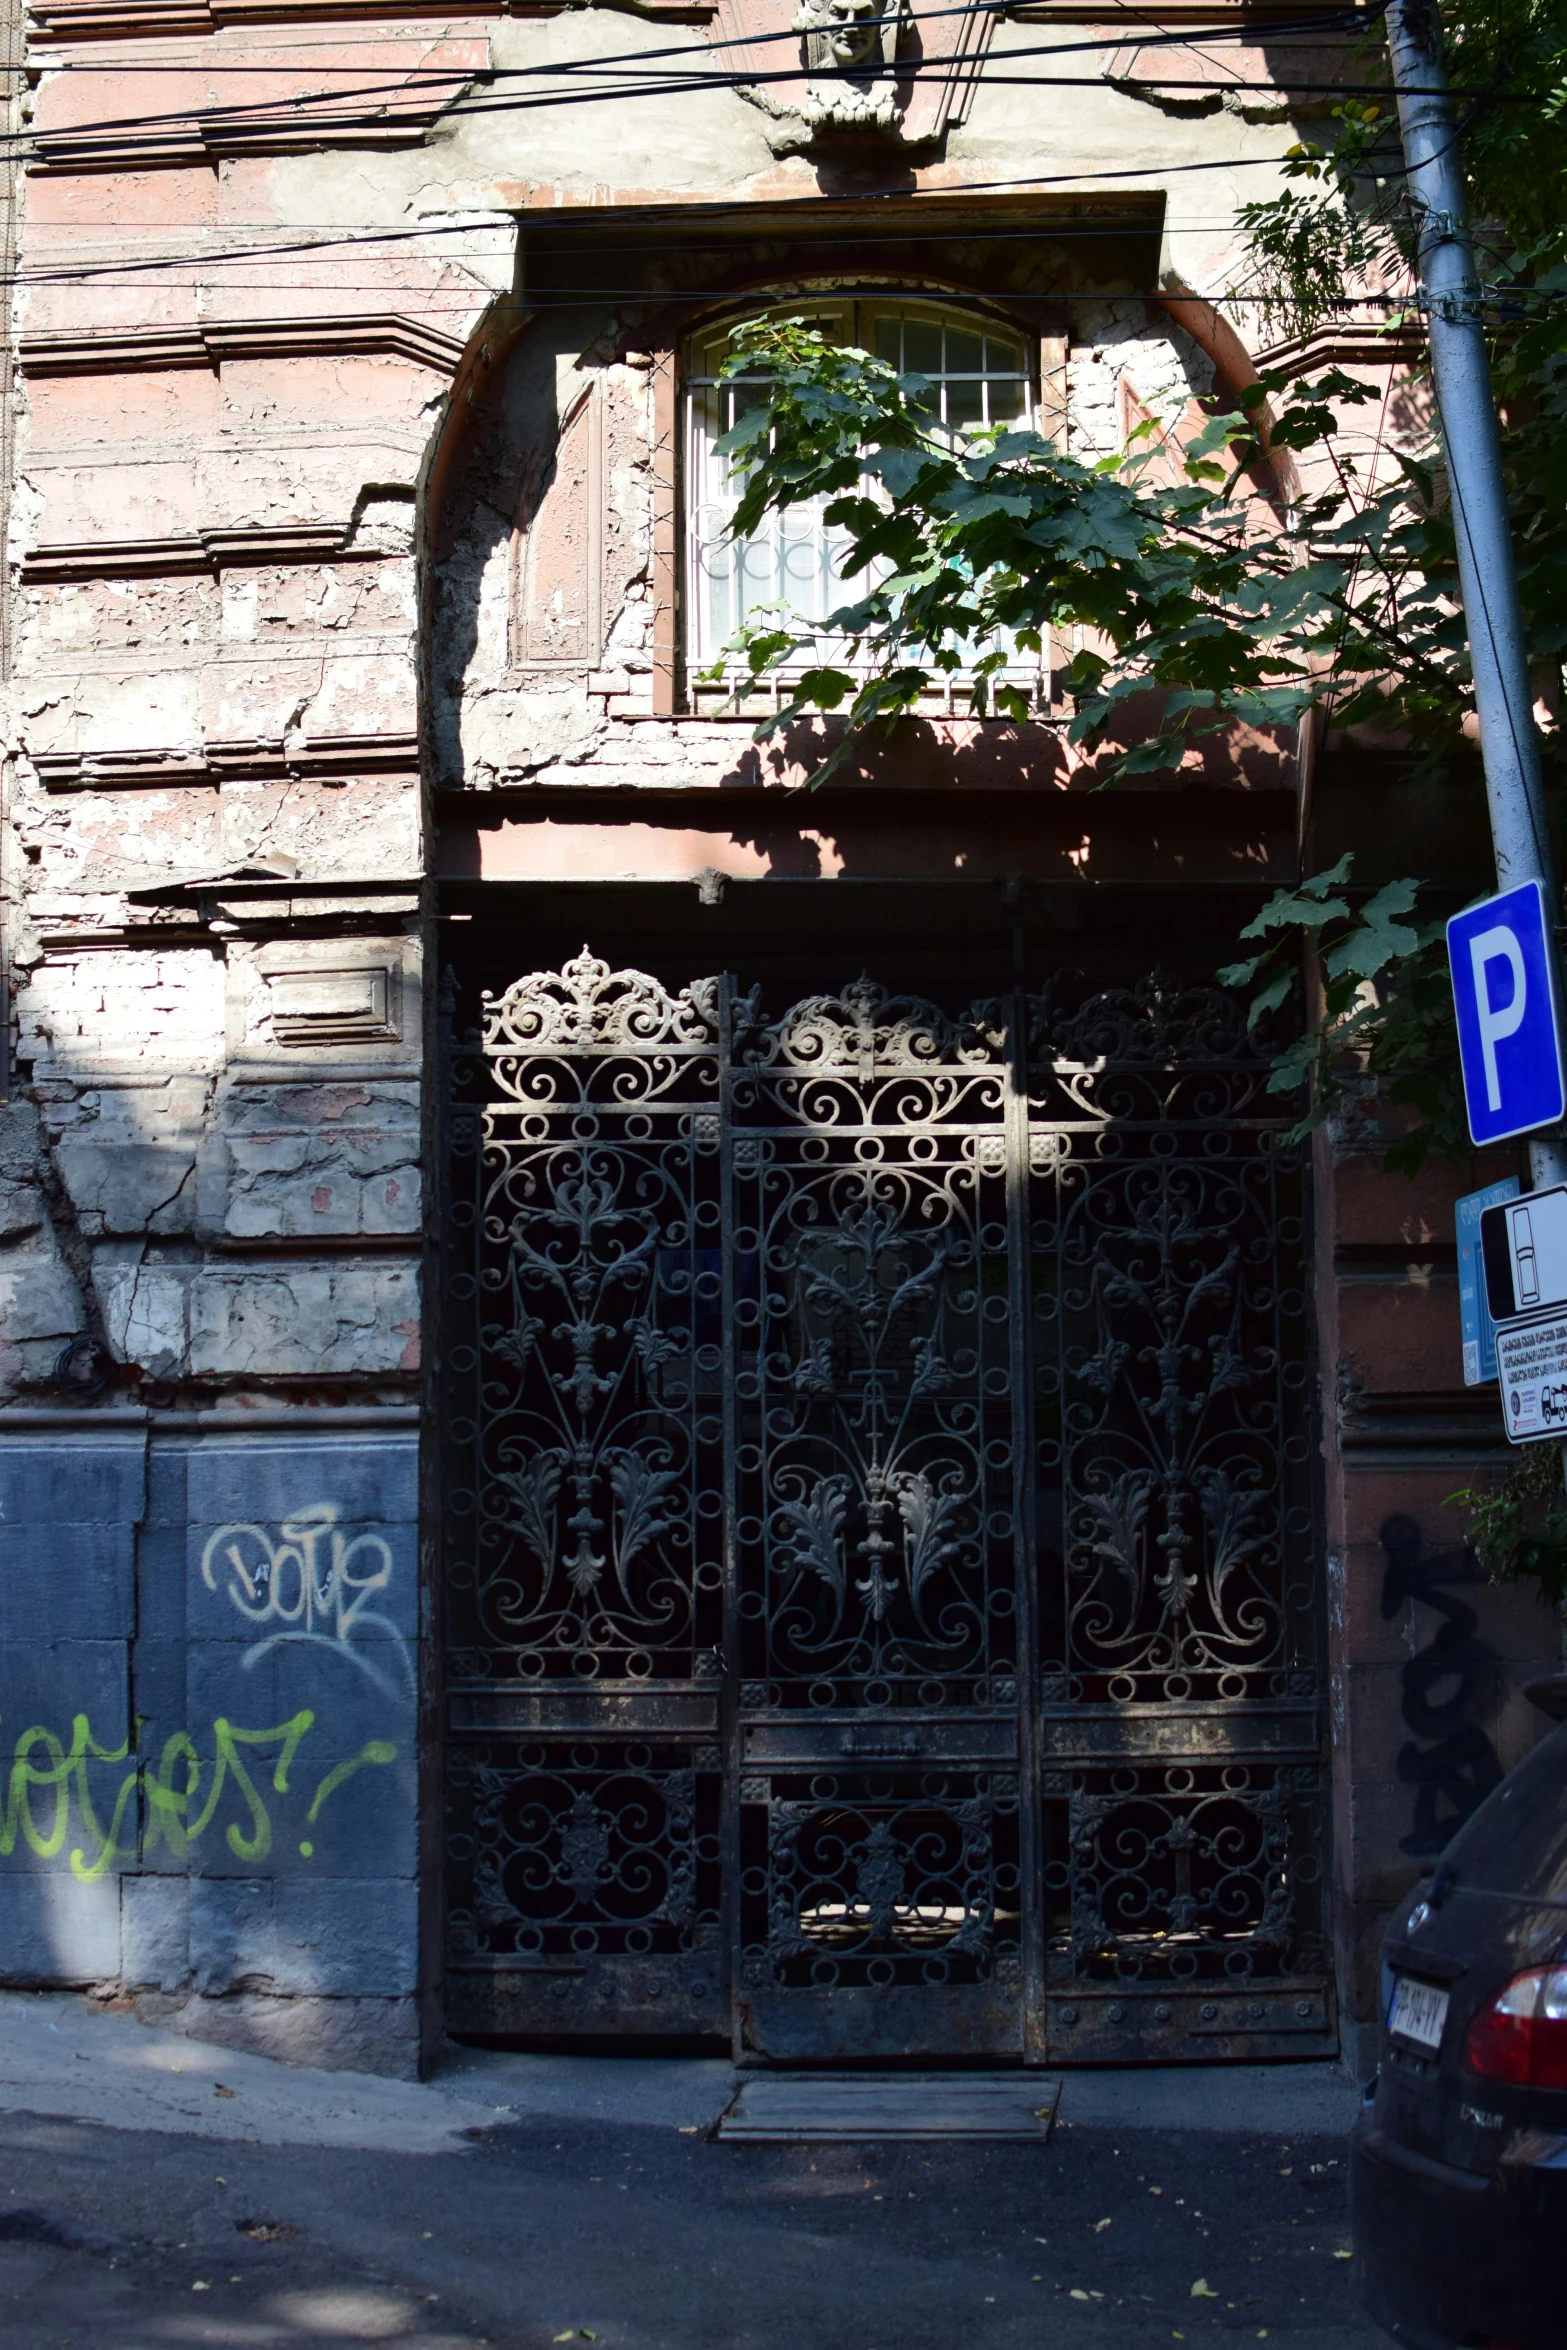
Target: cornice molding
(208, 342)
(129, 20)
(327, 756)
(206, 550)
(186, 145)
(1347, 343)
(1136, 21)
(297, 121)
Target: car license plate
(1418, 2012)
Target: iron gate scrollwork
(879, 1525)
(1174, 1440)
(876, 1529)
(585, 1560)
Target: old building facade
(639, 1403)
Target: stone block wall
(209, 1670)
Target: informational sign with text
(1531, 1363)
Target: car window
(1517, 1842)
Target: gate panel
(1179, 1687)
(879, 1529)
(877, 1554)
(585, 1551)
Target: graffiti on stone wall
(1448, 1688)
(311, 1581)
(246, 1782)
(252, 1779)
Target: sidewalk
(157, 2194)
(138, 2079)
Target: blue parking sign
(1503, 960)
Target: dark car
(1458, 2163)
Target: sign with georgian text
(1531, 1364)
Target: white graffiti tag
(310, 1581)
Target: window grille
(980, 373)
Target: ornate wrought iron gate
(879, 1528)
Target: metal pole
(1487, 578)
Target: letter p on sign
(1495, 1021)
(1503, 963)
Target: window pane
(965, 352)
(794, 560)
(706, 413)
(965, 403)
(921, 347)
(1008, 401)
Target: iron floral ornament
(929, 1387)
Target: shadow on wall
(208, 1642)
(542, 618)
(1450, 1689)
(505, 466)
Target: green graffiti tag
(63, 1769)
(376, 1750)
(169, 1805)
(181, 1792)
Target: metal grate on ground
(791, 2109)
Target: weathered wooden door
(878, 1526)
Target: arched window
(981, 372)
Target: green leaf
(1153, 755)
(1377, 938)
(826, 688)
(1295, 909)
(1269, 998)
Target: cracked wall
(211, 1177)
(344, 502)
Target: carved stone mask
(853, 32)
(852, 44)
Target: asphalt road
(642, 2235)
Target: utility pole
(1487, 577)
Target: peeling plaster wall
(323, 503)
(498, 718)
(211, 1179)
(1119, 352)
(523, 531)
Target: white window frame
(797, 543)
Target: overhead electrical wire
(631, 69)
(1147, 37)
(215, 258)
(1046, 231)
(218, 259)
(478, 99)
